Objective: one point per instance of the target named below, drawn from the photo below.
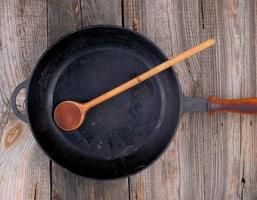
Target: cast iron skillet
(121, 136)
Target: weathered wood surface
(24, 169)
(210, 157)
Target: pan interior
(120, 136)
(118, 127)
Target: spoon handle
(152, 72)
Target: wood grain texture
(101, 12)
(210, 157)
(229, 22)
(248, 160)
(24, 169)
(63, 18)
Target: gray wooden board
(211, 157)
(24, 169)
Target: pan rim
(57, 42)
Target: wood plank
(174, 26)
(216, 137)
(24, 169)
(63, 18)
(101, 12)
(210, 157)
(227, 74)
(248, 159)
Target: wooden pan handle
(243, 106)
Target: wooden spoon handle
(146, 75)
(243, 106)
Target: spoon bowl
(69, 115)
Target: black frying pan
(123, 135)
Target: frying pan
(125, 134)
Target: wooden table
(210, 157)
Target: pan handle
(194, 104)
(21, 115)
(243, 106)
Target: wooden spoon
(69, 115)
